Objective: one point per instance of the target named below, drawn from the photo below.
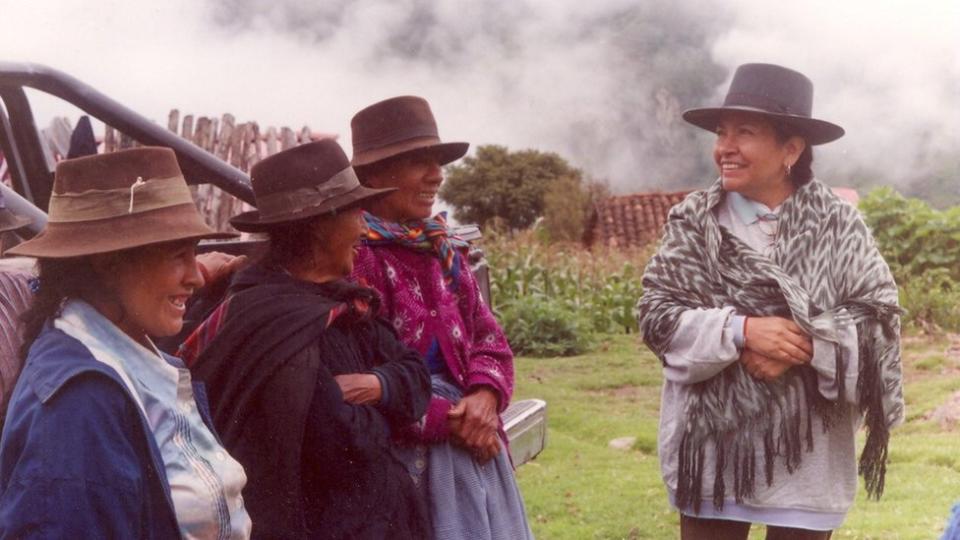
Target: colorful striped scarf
(431, 235)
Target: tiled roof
(637, 220)
(631, 220)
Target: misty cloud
(600, 82)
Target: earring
(788, 170)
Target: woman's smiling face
(417, 177)
(751, 159)
(152, 285)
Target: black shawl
(269, 380)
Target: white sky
(887, 70)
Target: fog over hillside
(600, 82)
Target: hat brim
(252, 221)
(446, 152)
(11, 222)
(61, 240)
(815, 131)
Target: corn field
(553, 298)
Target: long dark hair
(59, 280)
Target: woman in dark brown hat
(777, 323)
(431, 298)
(307, 386)
(105, 436)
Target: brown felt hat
(398, 126)
(773, 91)
(120, 200)
(302, 182)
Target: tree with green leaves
(507, 185)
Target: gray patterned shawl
(824, 260)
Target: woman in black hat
(777, 323)
(307, 387)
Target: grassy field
(579, 488)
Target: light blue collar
(140, 367)
(750, 211)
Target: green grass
(579, 488)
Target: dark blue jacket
(77, 458)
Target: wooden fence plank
(287, 138)
(173, 120)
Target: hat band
(297, 200)
(761, 102)
(142, 196)
(408, 132)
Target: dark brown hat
(773, 91)
(302, 182)
(115, 201)
(397, 126)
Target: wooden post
(173, 120)
(305, 135)
(271, 141)
(236, 145)
(187, 132)
(287, 138)
(251, 151)
(226, 133)
(109, 139)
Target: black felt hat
(775, 91)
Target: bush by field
(552, 298)
(922, 247)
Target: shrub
(931, 301)
(537, 325)
(922, 247)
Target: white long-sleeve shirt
(819, 493)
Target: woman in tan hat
(308, 388)
(104, 435)
(431, 298)
(777, 323)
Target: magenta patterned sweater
(420, 308)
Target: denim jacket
(77, 458)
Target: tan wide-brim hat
(398, 126)
(120, 200)
(303, 182)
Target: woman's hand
(761, 367)
(484, 452)
(216, 265)
(359, 388)
(474, 423)
(777, 339)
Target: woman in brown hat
(105, 436)
(776, 320)
(432, 300)
(308, 388)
